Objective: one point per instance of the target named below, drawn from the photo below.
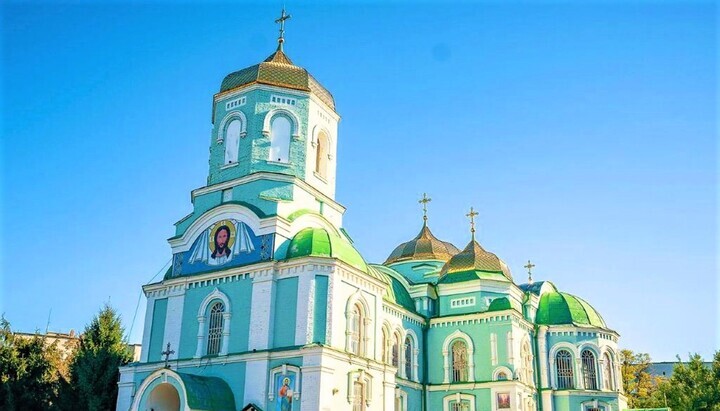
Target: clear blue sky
(584, 134)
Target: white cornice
(272, 177)
(266, 87)
(439, 321)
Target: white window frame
(447, 357)
(238, 102)
(462, 302)
(283, 370)
(365, 379)
(202, 317)
(234, 115)
(458, 397)
(365, 322)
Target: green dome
(425, 246)
(557, 308)
(474, 263)
(278, 70)
(395, 291)
(317, 242)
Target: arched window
(564, 370)
(527, 363)
(502, 376)
(215, 328)
(588, 369)
(408, 358)
(355, 329)
(280, 131)
(358, 396)
(395, 351)
(607, 373)
(459, 361)
(232, 141)
(321, 154)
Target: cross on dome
(529, 267)
(472, 215)
(424, 201)
(167, 353)
(281, 20)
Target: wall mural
(226, 243)
(285, 386)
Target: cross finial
(472, 215)
(167, 353)
(281, 20)
(424, 201)
(529, 267)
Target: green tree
(694, 386)
(29, 374)
(94, 370)
(641, 388)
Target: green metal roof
(474, 263)
(278, 70)
(317, 242)
(500, 304)
(395, 291)
(557, 308)
(207, 393)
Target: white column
(305, 311)
(261, 312)
(256, 377)
(493, 349)
(146, 331)
(126, 389)
(173, 318)
(510, 353)
(225, 334)
(200, 337)
(546, 395)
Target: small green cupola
(558, 308)
(318, 242)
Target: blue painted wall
(284, 320)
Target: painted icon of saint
(219, 243)
(285, 395)
(222, 241)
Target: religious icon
(221, 242)
(503, 400)
(285, 393)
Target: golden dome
(474, 263)
(425, 246)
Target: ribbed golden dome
(474, 263)
(425, 246)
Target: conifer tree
(94, 371)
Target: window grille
(358, 396)
(607, 372)
(459, 362)
(588, 369)
(215, 328)
(563, 363)
(355, 330)
(395, 351)
(460, 406)
(408, 358)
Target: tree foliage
(94, 371)
(694, 386)
(30, 377)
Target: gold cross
(283, 16)
(529, 267)
(472, 215)
(424, 201)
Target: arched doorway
(164, 397)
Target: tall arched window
(358, 396)
(232, 141)
(408, 358)
(607, 373)
(459, 361)
(527, 363)
(395, 351)
(321, 154)
(564, 369)
(355, 329)
(280, 131)
(215, 328)
(384, 348)
(588, 369)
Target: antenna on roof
(47, 326)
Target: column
(261, 311)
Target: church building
(268, 305)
